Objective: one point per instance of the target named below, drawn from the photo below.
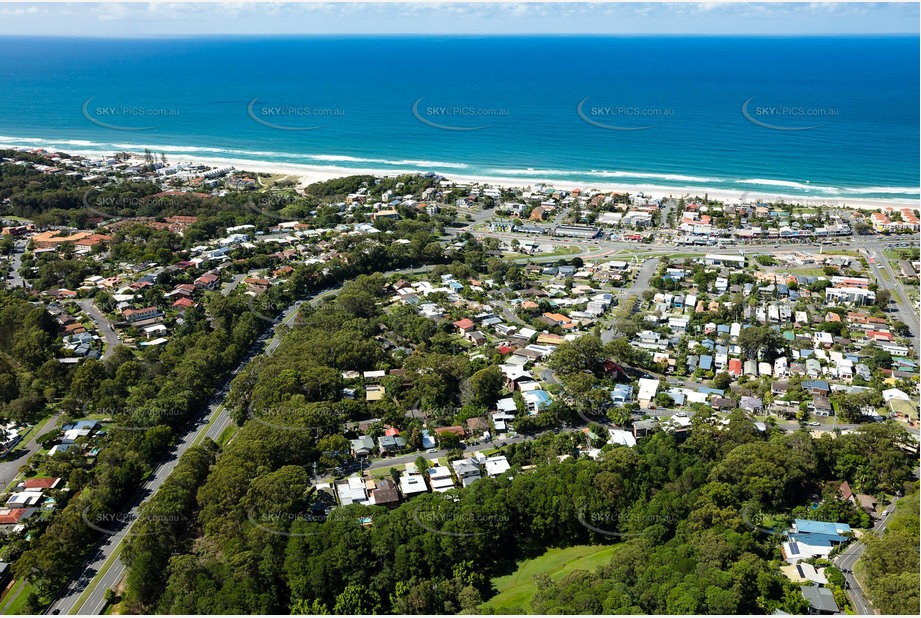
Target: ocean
(833, 117)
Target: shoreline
(308, 174)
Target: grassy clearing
(559, 251)
(226, 435)
(850, 252)
(808, 272)
(275, 178)
(16, 598)
(516, 590)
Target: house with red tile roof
(183, 303)
(207, 281)
(11, 517)
(465, 325)
(735, 367)
(41, 483)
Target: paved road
(402, 460)
(16, 280)
(94, 602)
(219, 416)
(877, 259)
(102, 325)
(643, 276)
(9, 465)
(231, 286)
(507, 313)
(849, 557)
(69, 602)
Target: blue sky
(128, 19)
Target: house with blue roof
(706, 362)
(89, 424)
(816, 387)
(813, 539)
(621, 394)
(808, 526)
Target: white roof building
(647, 390)
(497, 465)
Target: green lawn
(515, 591)
(808, 272)
(36, 429)
(226, 435)
(15, 599)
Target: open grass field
(516, 590)
(275, 178)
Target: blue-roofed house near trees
(813, 539)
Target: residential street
(16, 280)
(9, 465)
(102, 325)
(849, 557)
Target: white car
(814, 424)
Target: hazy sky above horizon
(128, 19)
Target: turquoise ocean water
(820, 117)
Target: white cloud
(32, 10)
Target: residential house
(821, 600)
(385, 494)
(466, 471)
(362, 446)
(390, 444)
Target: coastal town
(475, 332)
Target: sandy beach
(308, 174)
